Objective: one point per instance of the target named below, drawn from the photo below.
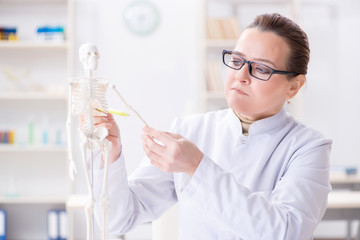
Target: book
(222, 28)
(2, 224)
(57, 224)
(63, 225)
(214, 81)
(52, 223)
(214, 29)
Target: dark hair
(293, 35)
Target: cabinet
(220, 24)
(33, 103)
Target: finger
(173, 135)
(98, 120)
(152, 145)
(155, 158)
(159, 135)
(105, 125)
(157, 165)
(110, 116)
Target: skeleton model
(85, 95)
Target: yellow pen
(113, 111)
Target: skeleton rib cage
(86, 97)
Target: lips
(239, 91)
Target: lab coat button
(243, 141)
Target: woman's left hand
(174, 153)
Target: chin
(239, 106)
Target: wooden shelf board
(339, 178)
(252, 1)
(4, 44)
(33, 1)
(32, 148)
(32, 96)
(76, 201)
(344, 199)
(33, 200)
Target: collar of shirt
(261, 126)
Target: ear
(295, 85)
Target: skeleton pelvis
(94, 140)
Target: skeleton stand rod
(128, 106)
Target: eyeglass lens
(257, 70)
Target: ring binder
(2, 224)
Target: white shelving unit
(34, 200)
(16, 95)
(13, 148)
(210, 50)
(33, 98)
(32, 45)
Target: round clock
(141, 17)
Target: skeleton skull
(89, 56)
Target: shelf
(34, 103)
(344, 199)
(32, 96)
(33, 200)
(77, 201)
(32, 1)
(9, 148)
(262, 2)
(338, 178)
(32, 45)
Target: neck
(243, 118)
(89, 73)
(245, 123)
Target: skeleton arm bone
(128, 106)
(72, 165)
(134, 111)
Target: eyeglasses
(257, 70)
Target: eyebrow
(257, 59)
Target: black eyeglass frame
(273, 71)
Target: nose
(243, 74)
(92, 54)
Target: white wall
(331, 99)
(156, 73)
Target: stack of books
(222, 28)
(214, 82)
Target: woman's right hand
(107, 120)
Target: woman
(248, 172)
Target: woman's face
(252, 98)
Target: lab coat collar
(261, 126)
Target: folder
(2, 224)
(57, 224)
(52, 225)
(63, 225)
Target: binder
(2, 224)
(57, 224)
(63, 225)
(52, 225)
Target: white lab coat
(271, 185)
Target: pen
(113, 111)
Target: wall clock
(141, 17)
